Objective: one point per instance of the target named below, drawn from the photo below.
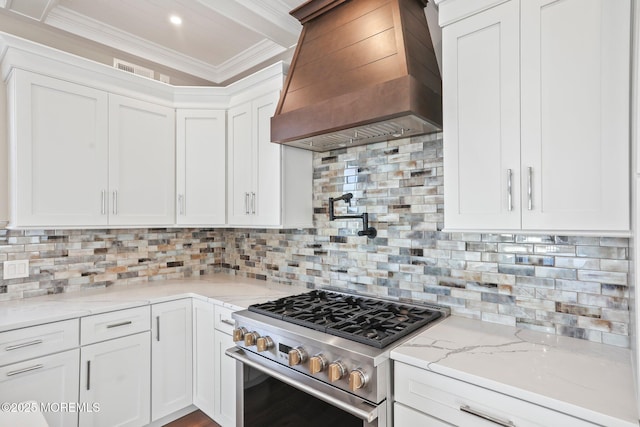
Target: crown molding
(83, 26)
(277, 12)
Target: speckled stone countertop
(231, 291)
(588, 380)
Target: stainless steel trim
(333, 396)
(509, 197)
(21, 371)
(88, 374)
(24, 344)
(228, 322)
(157, 328)
(485, 416)
(115, 325)
(530, 188)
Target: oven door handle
(358, 407)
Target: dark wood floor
(194, 419)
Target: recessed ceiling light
(175, 20)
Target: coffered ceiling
(216, 41)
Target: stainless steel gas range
(321, 358)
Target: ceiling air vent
(132, 68)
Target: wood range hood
(364, 71)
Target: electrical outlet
(15, 269)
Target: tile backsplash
(568, 285)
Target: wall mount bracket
(370, 232)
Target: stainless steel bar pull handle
(253, 203)
(24, 344)
(157, 328)
(114, 208)
(530, 188)
(228, 322)
(246, 203)
(181, 203)
(102, 202)
(115, 325)
(509, 195)
(88, 374)
(22, 371)
(480, 414)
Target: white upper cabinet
(575, 114)
(269, 185)
(482, 120)
(141, 162)
(201, 167)
(536, 105)
(83, 157)
(59, 146)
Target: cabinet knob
(336, 371)
(264, 343)
(297, 356)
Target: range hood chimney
(364, 71)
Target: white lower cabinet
(405, 416)
(224, 370)
(203, 357)
(171, 357)
(116, 375)
(426, 398)
(49, 380)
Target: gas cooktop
(369, 321)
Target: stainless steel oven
(320, 359)
(272, 395)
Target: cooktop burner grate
(366, 320)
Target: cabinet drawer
(463, 404)
(223, 320)
(27, 343)
(114, 324)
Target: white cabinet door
(204, 356)
(58, 137)
(268, 159)
(575, 114)
(171, 357)
(116, 374)
(141, 162)
(201, 167)
(241, 153)
(481, 113)
(225, 384)
(46, 380)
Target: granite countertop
(584, 379)
(231, 291)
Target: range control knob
(357, 379)
(297, 356)
(264, 343)
(250, 338)
(238, 334)
(336, 371)
(317, 363)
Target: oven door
(270, 394)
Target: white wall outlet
(15, 269)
